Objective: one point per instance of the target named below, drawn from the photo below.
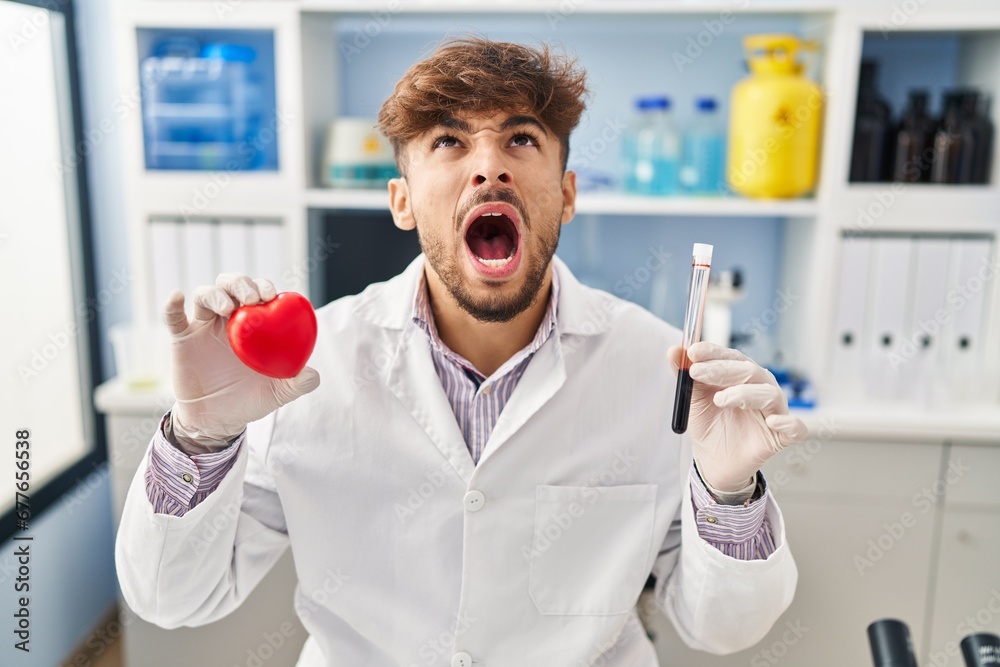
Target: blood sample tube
(697, 290)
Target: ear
(399, 204)
(569, 196)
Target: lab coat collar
(412, 378)
(582, 311)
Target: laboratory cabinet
(846, 494)
(264, 630)
(879, 529)
(967, 590)
(863, 545)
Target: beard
(493, 307)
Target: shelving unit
(317, 80)
(313, 87)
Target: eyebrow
(509, 124)
(518, 121)
(455, 124)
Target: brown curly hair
(477, 76)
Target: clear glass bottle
(652, 149)
(703, 158)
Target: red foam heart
(274, 338)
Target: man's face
(487, 195)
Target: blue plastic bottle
(703, 161)
(652, 149)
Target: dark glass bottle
(914, 142)
(980, 131)
(872, 130)
(952, 149)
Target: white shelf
(622, 204)
(903, 423)
(602, 204)
(594, 6)
(362, 200)
(919, 207)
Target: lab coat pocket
(591, 548)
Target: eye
(445, 141)
(524, 139)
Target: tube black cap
(981, 650)
(891, 644)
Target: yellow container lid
(775, 53)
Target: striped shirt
(177, 482)
(740, 531)
(476, 399)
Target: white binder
(234, 247)
(890, 303)
(165, 257)
(198, 257)
(849, 320)
(924, 338)
(966, 297)
(267, 252)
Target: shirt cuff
(740, 531)
(177, 481)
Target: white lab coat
(408, 554)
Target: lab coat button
(474, 501)
(461, 659)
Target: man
(488, 466)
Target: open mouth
(493, 238)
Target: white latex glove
(217, 395)
(739, 415)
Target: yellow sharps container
(774, 121)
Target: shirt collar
(424, 318)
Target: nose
(489, 168)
